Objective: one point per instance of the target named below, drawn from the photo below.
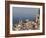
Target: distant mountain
(16, 20)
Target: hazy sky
(21, 12)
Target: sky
(20, 13)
